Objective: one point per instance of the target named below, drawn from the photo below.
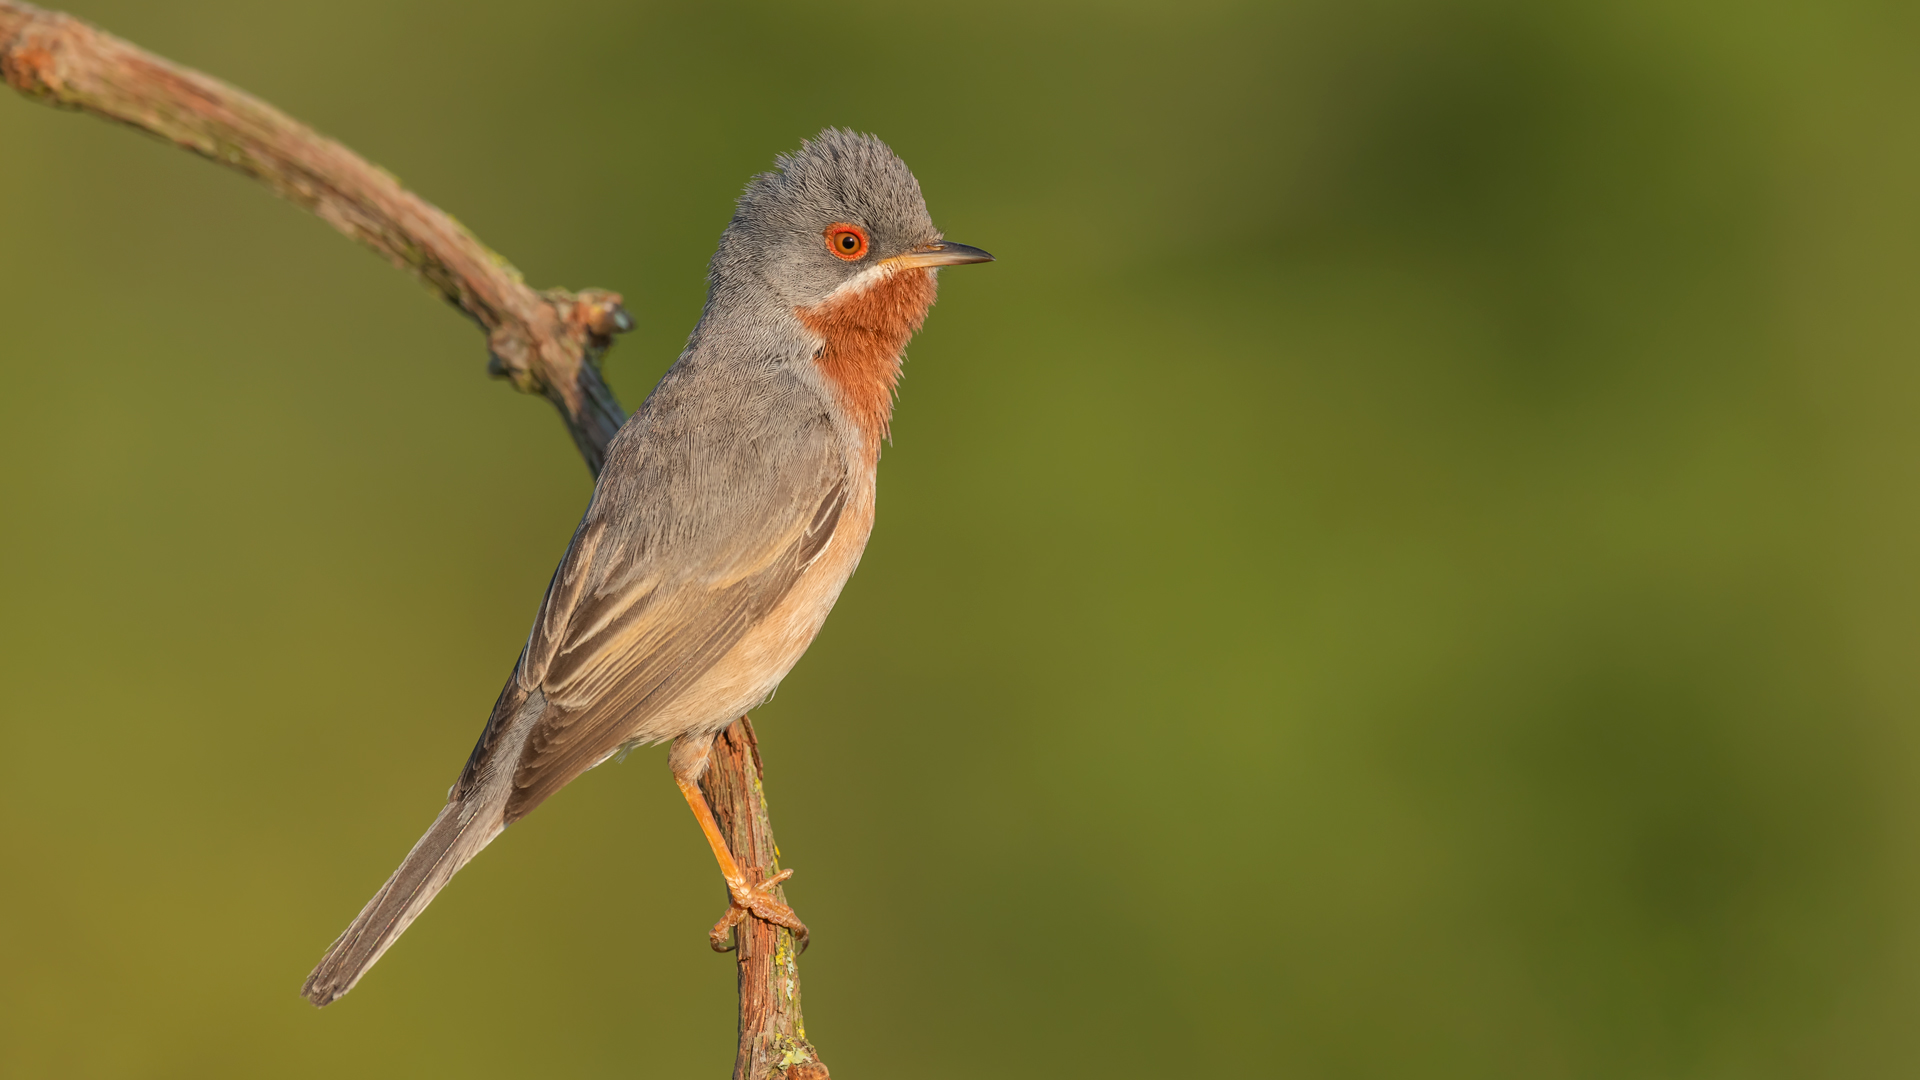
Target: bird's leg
(688, 759)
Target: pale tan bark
(548, 343)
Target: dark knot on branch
(553, 347)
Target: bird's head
(832, 219)
(830, 258)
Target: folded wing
(642, 607)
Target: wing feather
(715, 499)
(627, 651)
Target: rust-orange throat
(864, 330)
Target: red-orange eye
(846, 241)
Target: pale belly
(750, 672)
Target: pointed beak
(940, 253)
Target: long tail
(475, 813)
(457, 835)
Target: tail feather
(456, 836)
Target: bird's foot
(758, 901)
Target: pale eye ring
(847, 242)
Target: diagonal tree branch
(548, 343)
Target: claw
(758, 901)
(723, 930)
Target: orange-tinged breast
(864, 333)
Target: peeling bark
(773, 1035)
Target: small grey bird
(731, 510)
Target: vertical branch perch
(773, 1034)
(547, 343)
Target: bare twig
(548, 343)
(773, 1035)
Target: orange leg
(747, 897)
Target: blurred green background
(1409, 566)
